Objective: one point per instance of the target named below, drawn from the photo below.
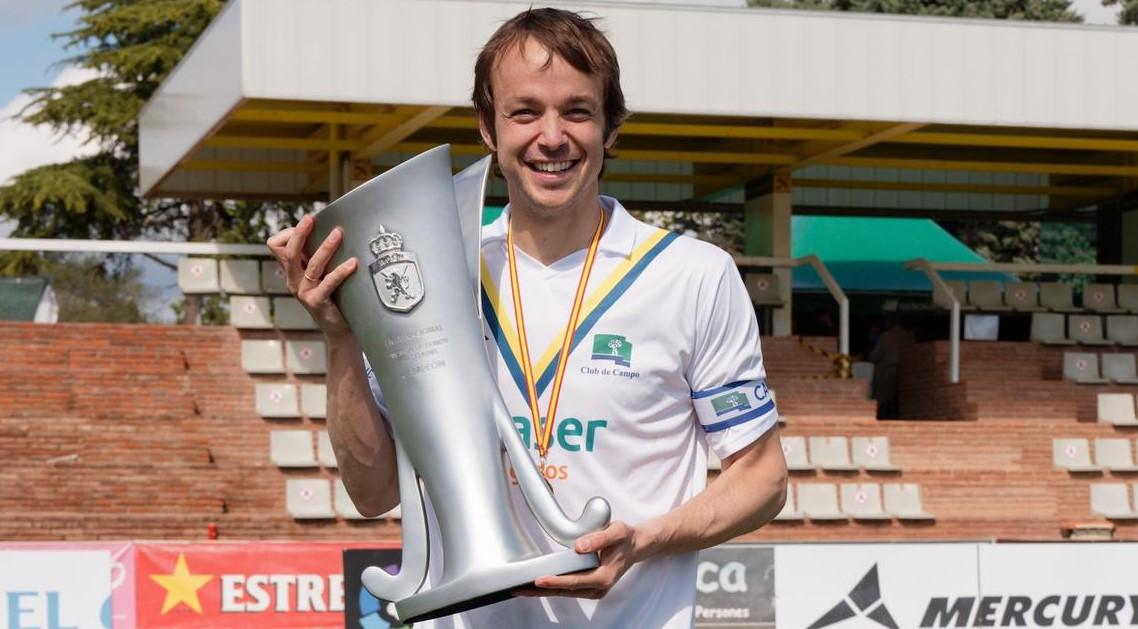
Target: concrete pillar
(766, 232)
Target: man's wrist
(648, 540)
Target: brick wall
(150, 432)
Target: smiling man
(663, 356)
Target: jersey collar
(619, 237)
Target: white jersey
(665, 363)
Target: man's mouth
(552, 167)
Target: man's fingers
(280, 239)
(614, 533)
(294, 250)
(332, 280)
(530, 592)
(315, 267)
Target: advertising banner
(863, 586)
(240, 585)
(735, 587)
(1056, 585)
(56, 589)
(361, 609)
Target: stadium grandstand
(1012, 396)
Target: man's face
(549, 131)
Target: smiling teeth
(552, 167)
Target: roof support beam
(390, 137)
(850, 184)
(1100, 170)
(868, 139)
(1018, 141)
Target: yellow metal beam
(1100, 170)
(259, 142)
(1058, 191)
(255, 167)
(387, 138)
(1017, 141)
(314, 116)
(865, 140)
(694, 130)
(710, 157)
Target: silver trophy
(414, 305)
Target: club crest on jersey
(395, 272)
(612, 347)
(730, 402)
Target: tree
(1045, 10)
(133, 45)
(87, 291)
(1128, 13)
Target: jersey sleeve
(376, 393)
(726, 373)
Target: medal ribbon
(545, 431)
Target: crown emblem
(385, 242)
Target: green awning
(20, 297)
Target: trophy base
(489, 586)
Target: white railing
(131, 246)
(835, 291)
(934, 269)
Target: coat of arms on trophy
(395, 272)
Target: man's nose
(552, 131)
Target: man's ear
(487, 137)
(611, 140)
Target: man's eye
(579, 114)
(523, 114)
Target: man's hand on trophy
(308, 279)
(614, 544)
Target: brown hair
(563, 33)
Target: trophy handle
(416, 550)
(537, 493)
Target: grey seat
(1086, 330)
(309, 498)
(1112, 501)
(1128, 297)
(314, 400)
(987, 296)
(277, 399)
(1100, 298)
(288, 314)
(903, 500)
(305, 357)
(250, 312)
(1115, 455)
(1122, 329)
(1073, 455)
(1120, 368)
(197, 276)
(324, 453)
(831, 453)
(1082, 367)
(819, 501)
(239, 277)
(789, 509)
(872, 454)
(1056, 297)
(794, 451)
(262, 356)
(272, 278)
(291, 448)
(862, 501)
(958, 289)
(1049, 328)
(1022, 296)
(763, 289)
(1116, 409)
(344, 505)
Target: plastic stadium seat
(1122, 329)
(1128, 297)
(272, 278)
(789, 512)
(1120, 368)
(713, 462)
(1022, 296)
(819, 501)
(1082, 367)
(794, 449)
(862, 501)
(198, 276)
(313, 400)
(903, 500)
(305, 357)
(958, 290)
(831, 453)
(1112, 501)
(1049, 328)
(1073, 455)
(1117, 409)
(1086, 330)
(872, 454)
(987, 295)
(1100, 298)
(262, 357)
(763, 289)
(347, 509)
(1115, 455)
(277, 400)
(291, 448)
(1056, 297)
(288, 314)
(324, 453)
(308, 498)
(250, 313)
(240, 277)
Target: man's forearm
(748, 493)
(364, 451)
